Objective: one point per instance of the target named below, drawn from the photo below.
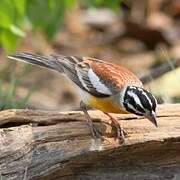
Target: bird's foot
(96, 133)
(120, 133)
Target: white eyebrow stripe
(144, 93)
(136, 99)
(135, 110)
(97, 84)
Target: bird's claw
(97, 134)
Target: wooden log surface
(58, 145)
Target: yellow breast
(105, 105)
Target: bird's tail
(44, 61)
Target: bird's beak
(152, 118)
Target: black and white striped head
(140, 102)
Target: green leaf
(8, 40)
(14, 29)
(5, 20)
(51, 4)
(6, 13)
(112, 4)
(47, 22)
(20, 6)
(69, 3)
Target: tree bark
(58, 145)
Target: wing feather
(77, 70)
(99, 78)
(114, 76)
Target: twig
(159, 71)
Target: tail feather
(43, 61)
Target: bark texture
(58, 145)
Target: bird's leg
(96, 134)
(114, 122)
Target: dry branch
(54, 145)
(160, 70)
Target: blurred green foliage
(44, 15)
(112, 4)
(8, 94)
(7, 97)
(15, 15)
(11, 13)
(47, 15)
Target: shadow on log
(58, 145)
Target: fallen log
(58, 145)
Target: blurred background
(143, 36)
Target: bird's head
(141, 102)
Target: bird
(102, 85)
